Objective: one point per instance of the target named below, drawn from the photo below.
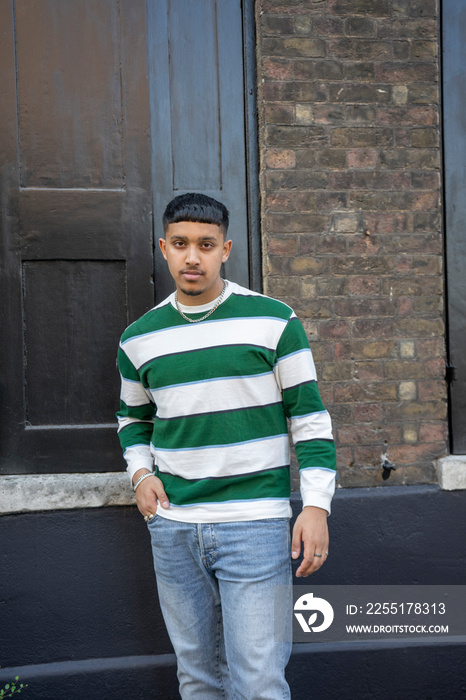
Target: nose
(192, 255)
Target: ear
(226, 250)
(163, 247)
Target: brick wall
(351, 218)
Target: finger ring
(317, 555)
(326, 554)
(148, 517)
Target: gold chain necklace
(209, 313)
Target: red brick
(277, 69)
(434, 390)
(430, 348)
(404, 73)
(360, 49)
(368, 371)
(412, 116)
(344, 456)
(369, 434)
(330, 244)
(293, 46)
(367, 412)
(365, 349)
(352, 217)
(336, 371)
(412, 369)
(362, 158)
(334, 329)
(379, 222)
(326, 25)
(283, 287)
(409, 28)
(433, 432)
(410, 454)
(374, 328)
(280, 201)
(404, 306)
(276, 113)
(280, 158)
(328, 114)
(365, 391)
(363, 286)
(370, 8)
(416, 410)
(364, 245)
(363, 307)
(282, 245)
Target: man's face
(194, 253)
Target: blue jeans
(216, 586)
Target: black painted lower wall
(79, 616)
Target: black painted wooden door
(454, 110)
(108, 109)
(197, 108)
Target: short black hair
(194, 206)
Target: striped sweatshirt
(206, 406)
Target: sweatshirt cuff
(317, 487)
(319, 499)
(137, 465)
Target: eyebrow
(199, 240)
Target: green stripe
(317, 453)
(225, 428)
(135, 434)
(153, 320)
(207, 363)
(273, 483)
(144, 412)
(237, 306)
(126, 367)
(292, 339)
(302, 399)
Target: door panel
(70, 119)
(198, 116)
(454, 110)
(85, 88)
(77, 225)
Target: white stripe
(133, 393)
(264, 332)
(213, 379)
(222, 395)
(317, 487)
(228, 511)
(225, 460)
(295, 369)
(138, 457)
(315, 425)
(124, 421)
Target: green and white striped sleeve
(311, 427)
(135, 417)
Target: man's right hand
(148, 493)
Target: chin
(193, 292)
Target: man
(209, 378)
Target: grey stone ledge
(451, 472)
(27, 493)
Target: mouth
(191, 275)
